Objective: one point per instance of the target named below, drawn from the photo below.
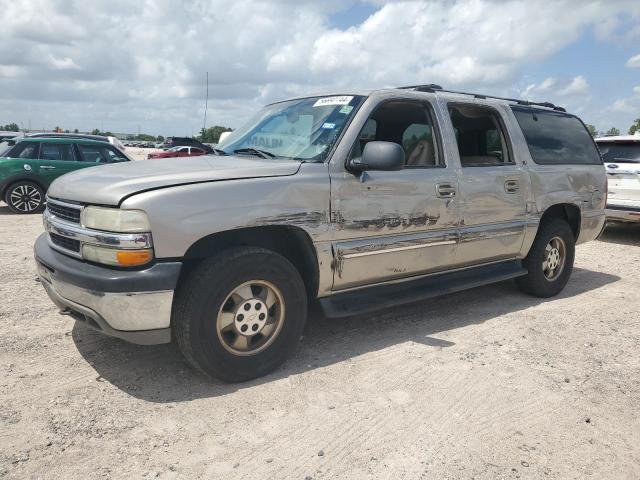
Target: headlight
(116, 257)
(115, 220)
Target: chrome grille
(64, 242)
(65, 212)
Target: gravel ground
(484, 384)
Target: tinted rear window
(620, 152)
(556, 137)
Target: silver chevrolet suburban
(363, 200)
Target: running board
(399, 293)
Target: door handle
(445, 190)
(511, 186)
(47, 167)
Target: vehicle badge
(27, 167)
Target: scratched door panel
(492, 220)
(390, 225)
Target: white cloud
(622, 106)
(128, 63)
(634, 62)
(577, 86)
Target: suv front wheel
(550, 260)
(240, 314)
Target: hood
(109, 184)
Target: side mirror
(379, 156)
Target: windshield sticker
(346, 109)
(323, 102)
(329, 126)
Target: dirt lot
(485, 384)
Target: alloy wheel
(250, 318)
(25, 198)
(554, 258)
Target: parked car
(178, 152)
(172, 142)
(29, 167)
(621, 155)
(362, 200)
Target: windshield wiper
(218, 151)
(255, 151)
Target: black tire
(203, 293)
(25, 197)
(536, 282)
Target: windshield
(303, 129)
(620, 152)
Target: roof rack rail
(432, 88)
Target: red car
(178, 152)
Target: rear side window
(57, 151)
(556, 137)
(480, 136)
(101, 154)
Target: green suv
(29, 167)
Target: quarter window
(480, 136)
(57, 151)
(556, 137)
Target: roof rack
(432, 88)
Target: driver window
(407, 123)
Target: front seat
(422, 155)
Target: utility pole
(206, 104)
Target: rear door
(493, 186)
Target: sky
(129, 66)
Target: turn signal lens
(132, 258)
(115, 257)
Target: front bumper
(622, 214)
(132, 305)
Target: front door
(493, 186)
(395, 224)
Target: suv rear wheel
(240, 314)
(550, 260)
(25, 197)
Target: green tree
(212, 134)
(75, 130)
(592, 130)
(143, 137)
(160, 138)
(10, 127)
(95, 131)
(635, 127)
(613, 131)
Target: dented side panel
(184, 214)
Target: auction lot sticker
(343, 100)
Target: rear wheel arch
(568, 212)
(293, 243)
